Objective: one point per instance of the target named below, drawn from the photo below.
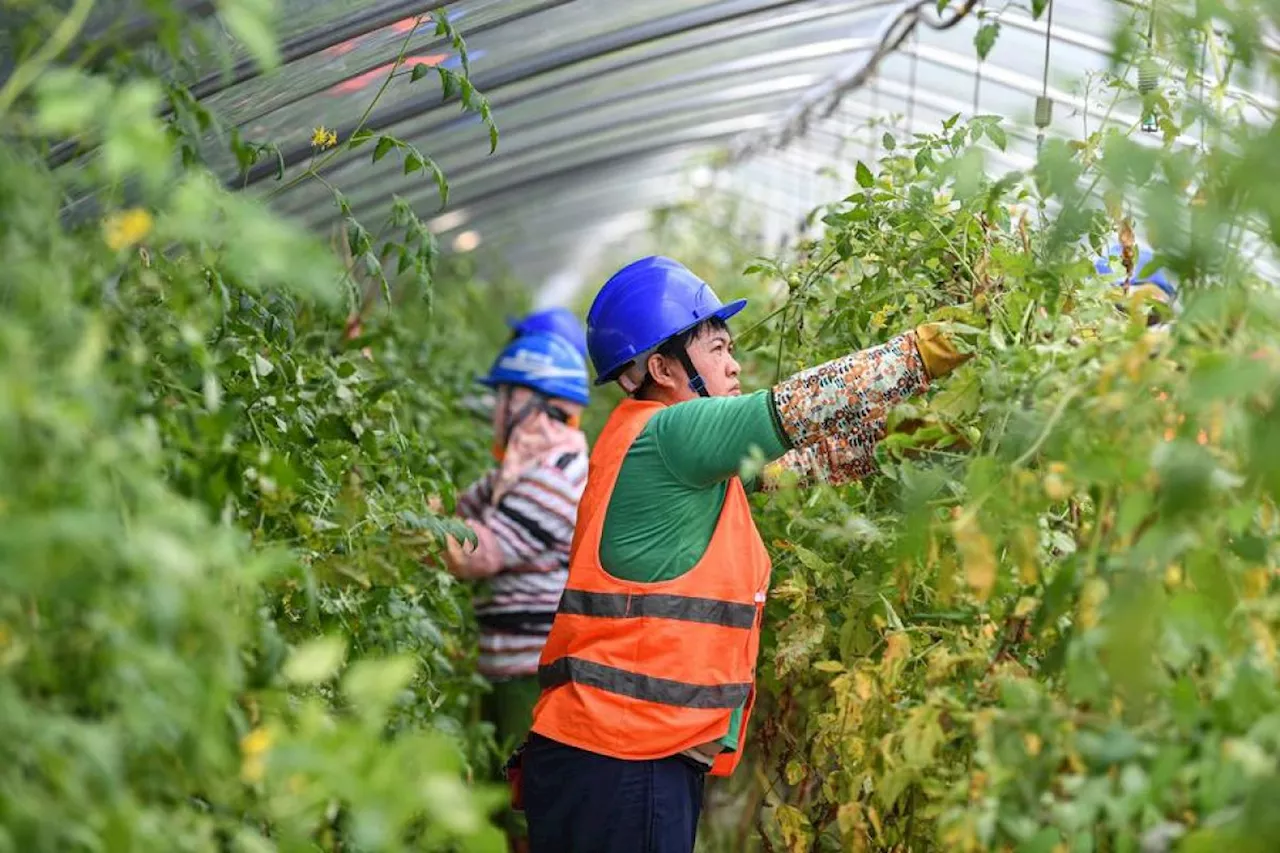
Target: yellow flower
(126, 228)
(253, 749)
(323, 138)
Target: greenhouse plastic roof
(610, 108)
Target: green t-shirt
(678, 468)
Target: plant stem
(1048, 427)
(316, 165)
(28, 72)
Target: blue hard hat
(644, 304)
(557, 321)
(543, 362)
(1160, 277)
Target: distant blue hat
(1159, 277)
(543, 362)
(557, 321)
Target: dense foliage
(1050, 622)
(221, 627)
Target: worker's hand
(938, 350)
(436, 505)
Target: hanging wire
(828, 96)
(1044, 104)
(977, 71)
(1204, 103)
(911, 83)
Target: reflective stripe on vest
(646, 687)
(622, 605)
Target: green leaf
(924, 159)
(315, 661)
(373, 685)
(888, 142)
(1044, 841)
(1038, 7)
(865, 179)
(985, 38)
(385, 144)
(811, 560)
(250, 22)
(997, 135)
(447, 83)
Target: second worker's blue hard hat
(1159, 277)
(557, 321)
(543, 362)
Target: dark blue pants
(581, 802)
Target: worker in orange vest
(648, 672)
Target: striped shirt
(533, 523)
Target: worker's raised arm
(822, 423)
(833, 459)
(703, 441)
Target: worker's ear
(667, 372)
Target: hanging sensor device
(1149, 78)
(1148, 83)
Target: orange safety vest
(647, 670)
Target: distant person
(522, 513)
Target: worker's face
(507, 399)
(712, 355)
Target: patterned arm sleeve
(846, 402)
(833, 459)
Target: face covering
(531, 428)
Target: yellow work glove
(938, 352)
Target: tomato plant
(221, 624)
(1050, 622)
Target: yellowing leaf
(315, 661)
(863, 686)
(895, 657)
(1026, 550)
(977, 555)
(797, 832)
(829, 666)
(253, 750)
(1255, 583)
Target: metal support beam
(573, 54)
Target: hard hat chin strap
(696, 383)
(536, 403)
(632, 379)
